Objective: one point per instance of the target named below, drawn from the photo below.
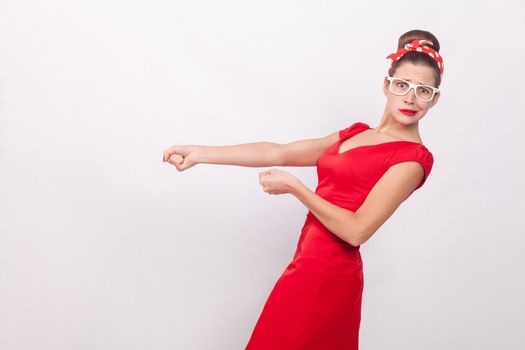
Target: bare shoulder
(392, 189)
(305, 152)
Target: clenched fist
(277, 181)
(182, 156)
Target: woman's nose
(410, 95)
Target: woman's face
(417, 74)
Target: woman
(364, 175)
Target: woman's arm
(396, 185)
(255, 154)
(340, 221)
(305, 152)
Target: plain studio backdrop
(104, 246)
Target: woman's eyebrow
(419, 82)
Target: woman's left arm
(396, 185)
(340, 221)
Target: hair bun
(418, 34)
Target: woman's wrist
(198, 155)
(295, 186)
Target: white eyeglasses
(401, 87)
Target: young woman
(364, 174)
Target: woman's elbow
(358, 233)
(353, 237)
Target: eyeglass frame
(412, 86)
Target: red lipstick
(408, 112)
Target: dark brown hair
(416, 57)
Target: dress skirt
(316, 302)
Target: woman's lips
(408, 112)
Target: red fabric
(417, 45)
(316, 303)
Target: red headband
(417, 45)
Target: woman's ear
(385, 86)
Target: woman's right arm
(255, 154)
(305, 152)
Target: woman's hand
(277, 181)
(182, 156)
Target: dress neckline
(338, 145)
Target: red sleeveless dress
(316, 303)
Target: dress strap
(353, 129)
(414, 153)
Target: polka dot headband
(417, 45)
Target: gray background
(103, 246)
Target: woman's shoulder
(354, 126)
(422, 150)
(415, 152)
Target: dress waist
(317, 242)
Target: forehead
(418, 74)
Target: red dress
(316, 303)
